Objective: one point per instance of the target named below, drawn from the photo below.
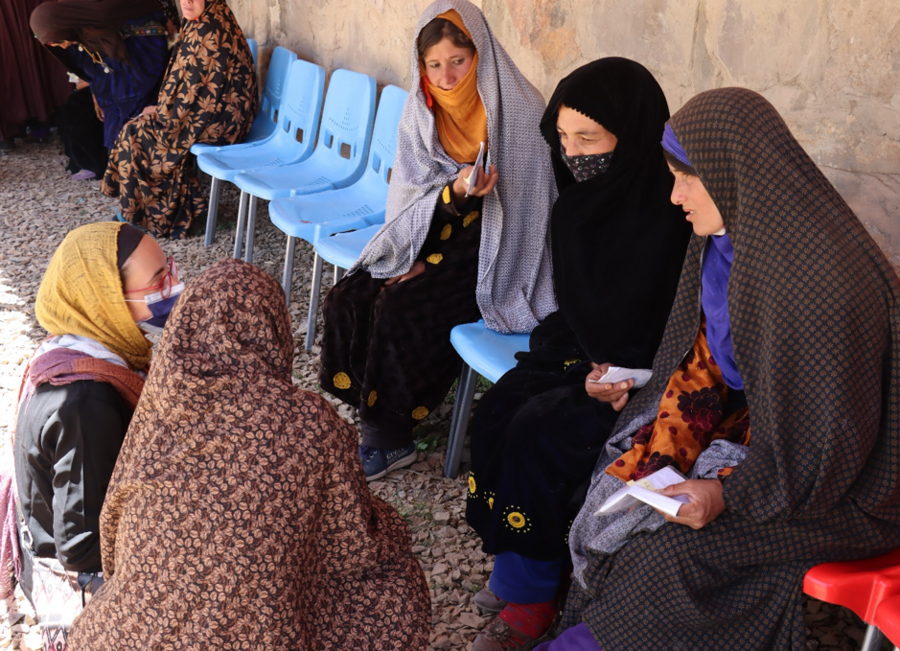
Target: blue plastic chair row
(314, 217)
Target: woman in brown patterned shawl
(238, 516)
(814, 311)
(209, 95)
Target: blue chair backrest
(301, 105)
(279, 64)
(254, 50)
(347, 118)
(384, 135)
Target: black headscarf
(618, 242)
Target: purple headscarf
(714, 294)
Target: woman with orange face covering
(440, 260)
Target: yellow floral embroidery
(342, 381)
(445, 232)
(446, 195)
(373, 396)
(569, 362)
(516, 519)
(434, 258)
(472, 216)
(472, 485)
(491, 502)
(420, 412)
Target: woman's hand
(150, 110)
(484, 183)
(417, 268)
(616, 395)
(97, 109)
(706, 502)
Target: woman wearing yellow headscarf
(106, 285)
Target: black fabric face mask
(584, 168)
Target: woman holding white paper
(618, 244)
(459, 243)
(790, 302)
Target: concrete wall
(832, 67)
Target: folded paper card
(619, 374)
(644, 490)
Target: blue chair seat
(484, 352)
(343, 249)
(288, 180)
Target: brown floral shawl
(238, 516)
(210, 96)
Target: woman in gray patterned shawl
(448, 254)
(783, 297)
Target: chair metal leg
(313, 303)
(459, 424)
(214, 191)
(873, 639)
(287, 278)
(338, 274)
(241, 222)
(251, 230)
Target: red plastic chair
(887, 619)
(860, 586)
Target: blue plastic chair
(316, 216)
(484, 352)
(340, 250)
(337, 162)
(254, 51)
(293, 140)
(265, 121)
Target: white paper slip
(473, 177)
(619, 374)
(645, 491)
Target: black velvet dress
(618, 245)
(386, 349)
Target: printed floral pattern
(239, 499)
(584, 168)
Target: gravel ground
(40, 204)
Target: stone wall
(832, 67)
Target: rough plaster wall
(832, 67)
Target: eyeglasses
(168, 281)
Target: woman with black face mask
(618, 245)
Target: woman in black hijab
(618, 245)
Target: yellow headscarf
(459, 113)
(82, 294)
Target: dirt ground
(40, 203)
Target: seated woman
(105, 283)
(785, 305)
(238, 517)
(120, 48)
(209, 95)
(618, 245)
(451, 252)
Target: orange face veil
(459, 113)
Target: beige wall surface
(832, 67)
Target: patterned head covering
(514, 289)
(81, 294)
(93, 23)
(236, 493)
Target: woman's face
(689, 193)
(446, 63)
(192, 8)
(142, 274)
(579, 135)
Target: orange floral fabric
(690, 418)
(238, 516)
(209, 96)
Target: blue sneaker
(377, 462)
